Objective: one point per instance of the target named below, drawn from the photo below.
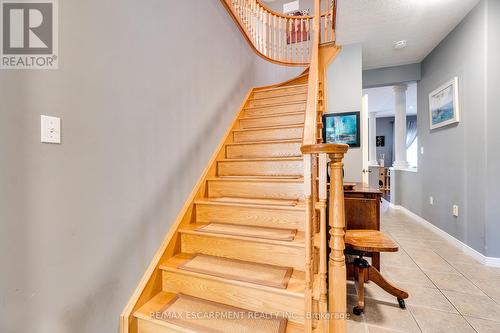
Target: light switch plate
(431, 201)
(421, 150)
(50, 129)
(455, 210)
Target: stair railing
(328, 21)
(331, 282)
(280, 38)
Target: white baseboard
(488, 261)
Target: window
(412, 153)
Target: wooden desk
(362, 207)
(362, 211)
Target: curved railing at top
(280, 38)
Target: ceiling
(378, 23)
(381, 100)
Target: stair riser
(261, 217)
(261, 168)
(276, 100)
(268, 134)
(288, 149)
(146, 326)
(273, 121)
(280, 92)
(252, 189)
(233, 295)
(264, 253)
(269, 110)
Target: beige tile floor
(449, 290)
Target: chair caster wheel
(402, 304)
(357, 311)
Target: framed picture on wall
(443, 105)
(342, 128)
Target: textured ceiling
(378, 23)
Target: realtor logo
(29, 34)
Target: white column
(400, 162)
(372, 138)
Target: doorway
(381, 105)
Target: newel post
(332, 301)
(337, 266)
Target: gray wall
(453, 168)
(144, 96)
(277, 5)
(492, 133)
(344, 80)
(388, 76)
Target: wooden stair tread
(252, 203)
(266, 128)
(264, 159)
(158, 302)
(256, 201)
(298, 241)
(295, 286)
(155, 304)
(270, 142)
(279, 95)
(253, 179)
(262, 177)
(281, 87)
(274, 115)
(276, 104)
(264, 149)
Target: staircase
(248, 250)
(253, 203)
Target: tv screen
(342, 128)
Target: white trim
(488, 261)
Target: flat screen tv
(342, 128)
